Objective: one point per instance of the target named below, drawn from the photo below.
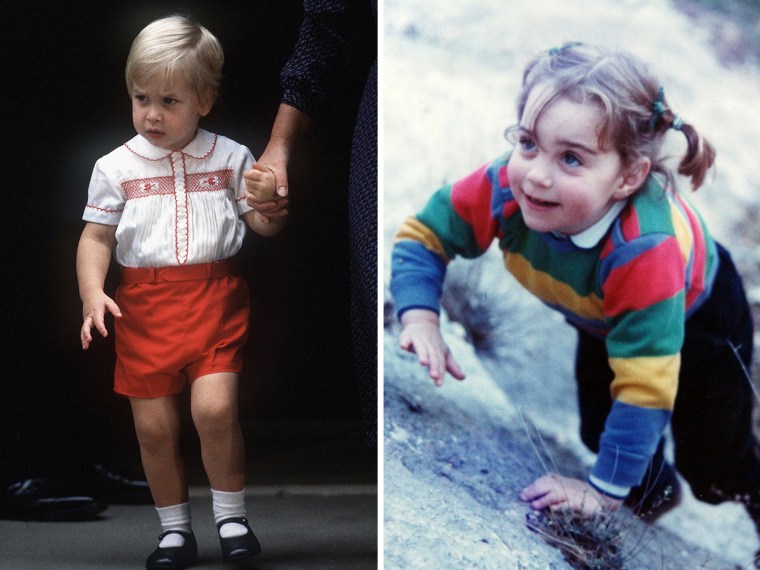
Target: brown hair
(636, 114)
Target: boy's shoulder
(226, 144)
(116, 159)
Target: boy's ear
(206, 105)
(632, 177)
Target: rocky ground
(456, 457)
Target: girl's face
(167, 115)
(561, 178)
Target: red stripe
(630, 224)
(699, 253)
(648, 279)
(471, 200)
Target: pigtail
(699, 157)
(700, 154)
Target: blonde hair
(636, 115)
(176, 47)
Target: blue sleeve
(630, 438)
(417, 276)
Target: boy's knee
(151, 432)
(214, 416)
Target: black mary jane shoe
(238, 547)
(175, 557)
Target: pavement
(311, 508)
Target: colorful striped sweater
(634, 288)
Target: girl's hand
(93, 313)
(557, 492)
(421, 335)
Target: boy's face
(561, 178)
(167, 115)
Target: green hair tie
(559, 50)
(658, 108)
(677, 122)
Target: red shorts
(178, 324)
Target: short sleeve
(105, 198)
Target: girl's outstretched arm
(421, 335)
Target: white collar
(200, 147)
(591, 236)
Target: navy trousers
(715, 450)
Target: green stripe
(456, 235)
(577, 268)
(657, 330)
(652, 209)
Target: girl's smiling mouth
(541, 203)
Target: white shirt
(172, 207)
(591, 236)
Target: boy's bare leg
(157, 423)
(214, 406)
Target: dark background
(66, 104)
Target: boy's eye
(141, 98)
(169, 101)
(571, 159)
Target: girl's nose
(539, 173)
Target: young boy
(171, 205)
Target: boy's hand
(94, 312)
(557, 492)
(261, 193)
(421, 335)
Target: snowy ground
(455, 457)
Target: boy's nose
(153, 114)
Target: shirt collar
(200, 147)
(591, 236)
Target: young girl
(588, 219)
(171, 204)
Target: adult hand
(266, 205)
(289, 126)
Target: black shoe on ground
(35, 500)
(106, 485)
(652, 499)
(176, 557)
(238, 547)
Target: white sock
(175, 517)
(227, 505)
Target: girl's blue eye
(527, 144)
